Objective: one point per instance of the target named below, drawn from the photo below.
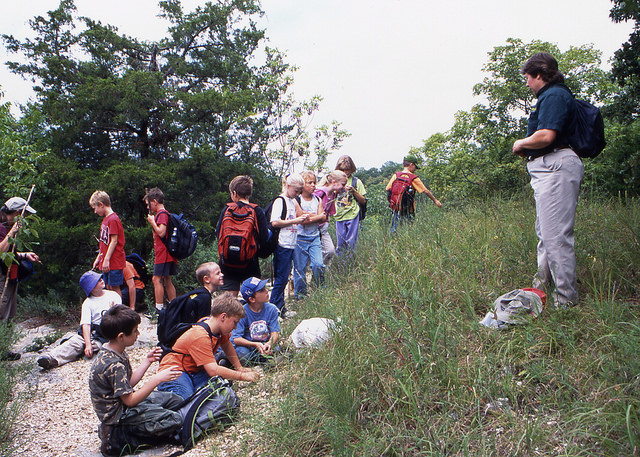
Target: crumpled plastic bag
(312, 332)
(514, 308)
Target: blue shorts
(113, 278)
(165, 269)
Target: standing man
(556, 173)
(9, 227)
(165, 265)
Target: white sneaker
(289, 314)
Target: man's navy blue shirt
(554, 111)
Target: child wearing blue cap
(257, 333)
(88, 340)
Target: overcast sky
(393, 72)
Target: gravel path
(58, 419)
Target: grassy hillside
(410, 372)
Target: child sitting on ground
(308, 244)
(257, 333)
(88, 340)
(194, 352)
(122, 427)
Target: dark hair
(118, 319)
(241, 185)
(406, 163)
(154, 194)
(227, 304)
(545, 65)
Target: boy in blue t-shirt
(257, 333)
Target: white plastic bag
(312, 332)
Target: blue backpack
(586, 132)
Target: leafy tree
(626, 63)
(107, 96)
(19, 156)
(185, 113)
(475, 156)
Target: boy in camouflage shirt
(129, 418)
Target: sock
(159, 306)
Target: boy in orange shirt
(194, 352)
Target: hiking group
(206, 338)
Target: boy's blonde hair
(204, 270)
(99, 196)
(227, 304)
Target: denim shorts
(113, 278)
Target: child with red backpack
(241, 229)
(401, 191)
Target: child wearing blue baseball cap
(257, 333)
(88, 340)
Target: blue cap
(251, 286)
(89, 280)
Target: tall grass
(10, 404)
(411, 373)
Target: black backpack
(181, 238)
(265, 250)
(142, 273)
(586, 133)
(180, 314)
(363, 207)
(213, 405)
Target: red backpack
(238, 236)
(398, 187)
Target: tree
(475, 156)
(626, 63)
(19, 156)
(107, 97)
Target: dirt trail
(58, 419)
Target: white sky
(393, 72)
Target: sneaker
(104, 432)
(10, 356)
(47, 362)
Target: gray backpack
(213, 405)
(516, 307)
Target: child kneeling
(257, 333)
(129, 418)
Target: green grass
(10, 405)
(411, 373)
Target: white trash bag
(312, 332)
